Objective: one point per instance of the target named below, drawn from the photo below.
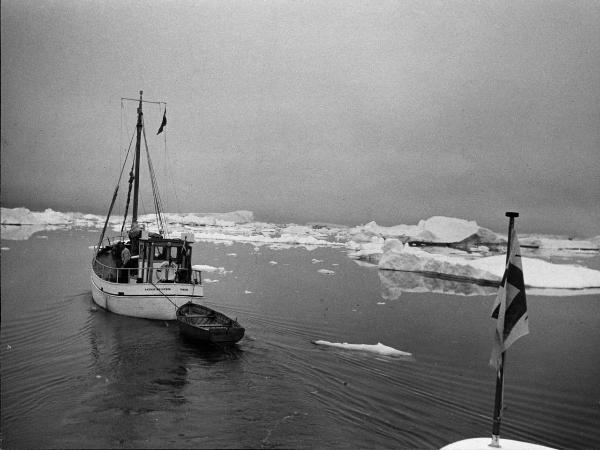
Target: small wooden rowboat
(201, 324)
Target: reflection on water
(76, 376)
(140, 370)
(395, 282)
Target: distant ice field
(452, 248)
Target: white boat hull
(159, 301)
(484, 444)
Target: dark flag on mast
(510, 307)
(164, 122)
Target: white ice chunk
(558, 243)
(449, 229)
(207, 268)
(379, 348)
(537, 273)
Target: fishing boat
(201, 324)
(141, 273)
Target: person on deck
(134, 236)
(125, 256)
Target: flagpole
(500, 372)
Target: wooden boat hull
(143, 300)
(201, 324)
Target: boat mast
(136, 186)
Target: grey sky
(340, 111)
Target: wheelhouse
(150, 259)
(162, 260)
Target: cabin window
(159, 252)
(165, 253)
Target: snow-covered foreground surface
(450, 247)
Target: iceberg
(538, 273)
(22, 232)
(558, 242)
(436, 229)
(546, 246)
(227, 219)
(366, 242)
(23, 216)
(369, 250)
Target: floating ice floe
(379, 348)
(24, 232)
(537, 273)
(207, 268)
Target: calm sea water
(74, 376)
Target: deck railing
(109, 241)
(158, 274)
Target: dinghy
(201, 324)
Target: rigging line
(154, 188)
(131, 178)
(125, 162)
(165, 295)
(168, 171)
(130, 181)
(158, 204)
(121, 132)
(112, 203)
(124, 115)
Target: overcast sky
(339, 111)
